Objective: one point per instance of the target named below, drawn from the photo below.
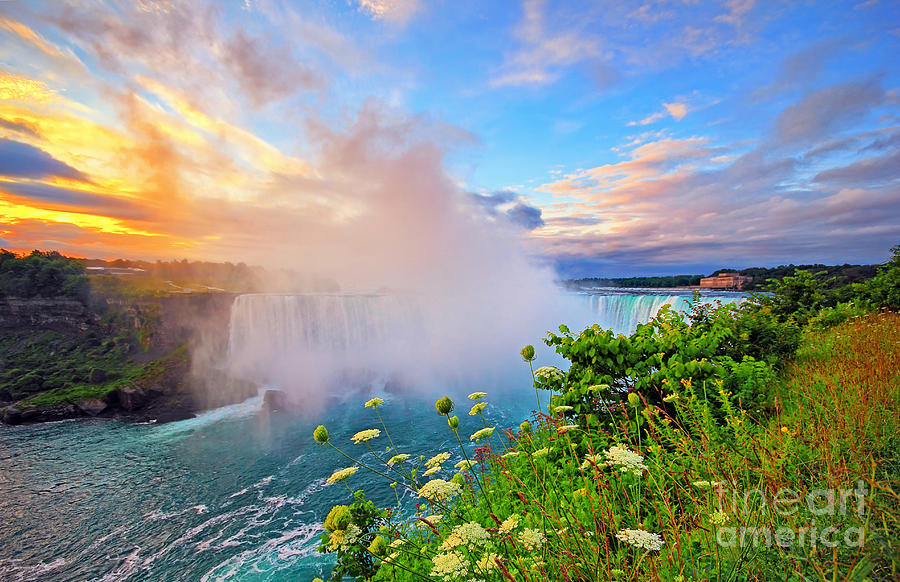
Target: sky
(607, 138)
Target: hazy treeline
(833, 276)
(41, 274)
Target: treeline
(642, 282)
(832, 276)
(42, 274)
(236, 277)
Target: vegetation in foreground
(756, 442)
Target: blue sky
(649, 137)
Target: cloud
(803, 67)
(828, 110)
(394, 11)
(19, 126)
(19, 159)
(49, 197)
(864, 172)
(542, 56)
(676, 111)
(509, 205)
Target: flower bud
(634, 399)
(525, 427)
(528, 353)
(379, 546)
(444, 406)
(453, 421)
(321, 434)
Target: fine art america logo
(837, 507)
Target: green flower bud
(453, 421)
(525, 427)
(321, 434)
(379, 546)
(444, 406)
(528, 353)
(458, 479)
(634, 399)
(338, 518)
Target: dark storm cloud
(21, 160)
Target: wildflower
(379, 546)
(342, 474)
(472, 533)
(525, 427)
(374, 403)
(453, 422)
(477, 408)
(719, 518)
(541, 452)
(549, 373)
(483, 433)
(591, 460)
(617, 573)
(671, 397)
(510, 454)
(633, 399)
(641, 539)
(438, 459)
(477, 395)
(464, 465)
(531, 539)
(448, 567)
(351, 535)
(562, 409)
(338, 518)
(397, 459)
(528, 353)
(598, 388)
(444, 406)
(486, 563)
(625, 459)
(566, 428)
(581, 492)
(321, 434)
(705, 484)
(438, 490)
(365, 435)
(431, 471)
(451, 542)
(509, 524)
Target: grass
(146, 375)
(693, 489)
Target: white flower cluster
(548, 373)
(439, 490)
(531, 539)
(509, 524)
(365, 435)
(449, 567)
(342, 474)
(437, 460)
(641, 539)
(625, 459)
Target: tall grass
(687, 486)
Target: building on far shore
(725, 280)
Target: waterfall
(309, 339)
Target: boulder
(274, 400)
(131, 398)
(11, 415)
(90, 406)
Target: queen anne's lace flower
(625, 459)
(374, 403)
(365, 435)
(566, 428)
(510, 454)
(483, 433)
(342, 474)
(590, 461)
(438, 490)
(431, 471)
(472, 534)
(562, 409)
(449, 567)
(477, 408)
(719, 518)
(641, 539)
(477, 395)
(541, 452)
(531, 539)
(487, 563)
(509, 524)
(397, 459)
(549, 373)
(464, 465)
(437, 459)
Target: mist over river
(238, 493)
